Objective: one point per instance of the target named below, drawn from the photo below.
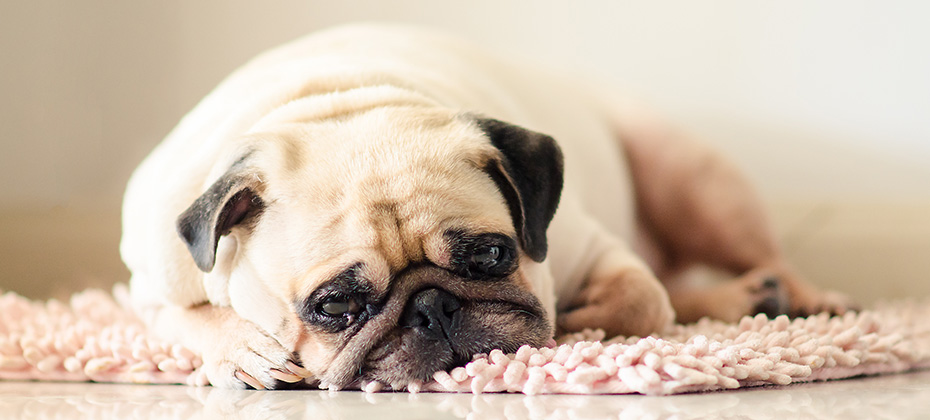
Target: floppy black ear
(529, 174)
(228, 202)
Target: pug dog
(379, 203)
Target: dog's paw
(247, 357)
(753, 293)
(624, 303)
(775, 295)
(814, 302)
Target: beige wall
(825, 104)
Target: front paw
(627, 303)
(247, 357)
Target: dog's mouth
(444, 334)
(407, 357)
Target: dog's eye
(486, 258)
(339, 306)
(488, 261)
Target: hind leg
(695, 208)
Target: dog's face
(386, 244)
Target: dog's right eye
(344, 302)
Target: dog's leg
(236, 353)
(619, 295)
(697, 208)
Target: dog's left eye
(486, 258)
(339, 306)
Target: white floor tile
(905, 396)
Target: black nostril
(434, 311)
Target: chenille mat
(94, 337)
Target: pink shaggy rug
(95, 338)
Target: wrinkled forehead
(386, 156)
(376, 141)
(387, 182)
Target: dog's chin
(408, 358)
(409, 355)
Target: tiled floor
(905, 396)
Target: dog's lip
(518, 307)
(421, 369)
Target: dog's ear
(529, 174)
(230, 201)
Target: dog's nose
(435, 312)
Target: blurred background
(826, 106)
